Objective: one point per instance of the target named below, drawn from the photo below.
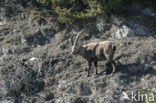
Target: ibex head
(76, 45)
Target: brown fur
(94, 52)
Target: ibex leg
(95, 66)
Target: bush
(70, 11)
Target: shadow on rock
(134, 70)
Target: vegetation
(32, 12)
(81, 10)
(148, 93)
(69, 11)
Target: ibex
(94, 52)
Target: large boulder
(120, 32)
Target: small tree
(70, 11)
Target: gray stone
(85, 90)
(121, 32)
(149, 12)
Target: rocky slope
(36, 65)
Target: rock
(120, 32)
(49, 96)
(140, 30)
(15, 75)
(116, 20)
(149, 12)
(36, 39)
(85, 90)
(80, 100)
(38, 85)
(4, 31)
(36, 65)
(3, 12)
(102, 24)
(46, 95)
(15, 50)
(48, 33)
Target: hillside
(36, 64)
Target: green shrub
(41, 1)
(70, 11)
(32, 12)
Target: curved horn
(78, 36)
(72, 37)
(72, 41)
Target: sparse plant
(147, 91)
